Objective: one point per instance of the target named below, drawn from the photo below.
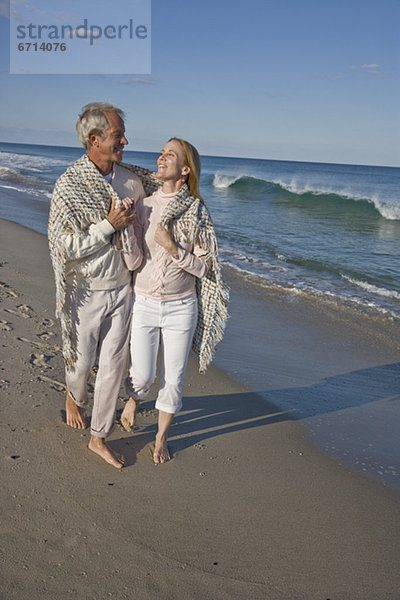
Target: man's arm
(84, 244)
(148, 178)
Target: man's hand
(122, 216)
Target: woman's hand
(122, 216)
(129, 204)
(163, 238)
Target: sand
(248, 508)
(335, 367)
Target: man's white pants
(102, 326)
(172, 323)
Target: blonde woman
(179, 297)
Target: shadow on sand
(210, 416)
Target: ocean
(328, 232)
(308, 228)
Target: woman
(179, 296)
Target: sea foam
(387, 208)
(374, 289)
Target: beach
(250, 506)
(332, 367)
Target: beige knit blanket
(82, 197)
(189, 218)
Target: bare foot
(118, 456)
(161, 453)
(98, 446)
(74, 417)
(128, 416)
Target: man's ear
(93, 139)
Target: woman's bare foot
(98, 446)
(161, 453)
(74, 417)
(128, 416)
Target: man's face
(110, 148)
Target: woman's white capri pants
(173, 324)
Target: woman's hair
(192, 160)
(92, 120)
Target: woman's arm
(134, 258)
(191, 262)
(148, 178)
(194, 262)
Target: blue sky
(308, 80)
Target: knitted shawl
(189, 220)
(80, 198)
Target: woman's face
(171, 163)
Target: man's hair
(92, 120)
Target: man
(87, 239)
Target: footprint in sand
(23, 311)
(47, 323)
(149, 413)
(32, 342)
(200, 446)
(26, 311)
(5, 326)
(12, 311)
(4, 287)
(39, 360)
(46, 335)
(54, 382)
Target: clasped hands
(122, 216)
(125, 214)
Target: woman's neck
(172, 187)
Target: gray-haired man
(87, 239)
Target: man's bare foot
(74, 417)
(118, 456)
(98, 446)
(161, 453)
(128, 416)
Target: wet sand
(333, 367)
(247, 508)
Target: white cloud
(366, 68)
(371, 68)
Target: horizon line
(322, 162)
